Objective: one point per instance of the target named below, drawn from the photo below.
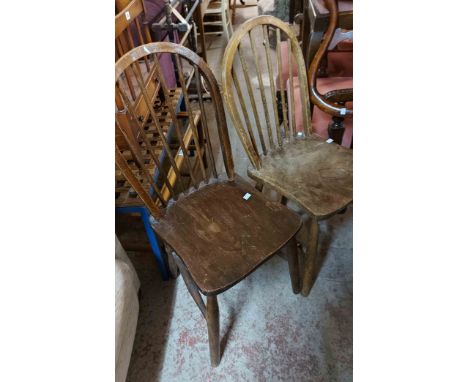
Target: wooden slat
(284, 106)
(266, 43)
(252, 100)
(262, 90)
(176, 121)
(192, 123)
(291, 91)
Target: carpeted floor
(268, 333)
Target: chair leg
(293, 263)
(210, 311)
(233, 13)
(310, 259)
(154, 245)
(212, 320)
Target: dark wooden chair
(219, 230)
(330, 87)
(316, 19)
(331, 95)
(299, 165)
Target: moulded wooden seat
(213, 234)
(316, 174)
(221, 237)
(284, 156)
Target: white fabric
(126, 311)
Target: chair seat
(220, 236)
(315, 174)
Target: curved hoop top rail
(317, 98)
(163, 133)
(269, 107)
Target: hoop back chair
(299, 165)
(215, 233)
(131, 31)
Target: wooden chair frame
(324, 162)
(333, 102)
(130, 31)
(172, 215)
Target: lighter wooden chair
(222, 228)
(299, 165)
(217, 18)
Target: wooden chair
(333, 94)
(316, 20)
(217, 18)
(131, 31)
(222, 228)
(330, 83)
(300, 166)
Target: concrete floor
(268, 333)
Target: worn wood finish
(215, 235)
(212, 321)
(315, 174)
(243, 234)
(260, 101)
(310, 261)
(300, 166)
(171, 262)
(191, 286)
(293, 263)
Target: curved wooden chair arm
(339, 96)
(322, 102)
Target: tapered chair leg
(293, 262)
(212, 320)
(310, 259)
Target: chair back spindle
(164, 142)
(261, 109)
